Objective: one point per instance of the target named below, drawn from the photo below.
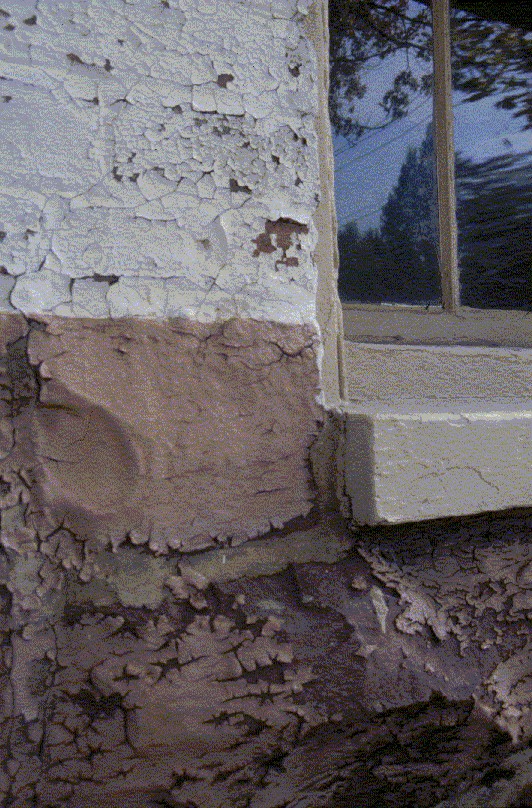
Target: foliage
(365, 266)
(495, 231)
(361, 32)
(398, 263)
(490, 58)
(409, 226)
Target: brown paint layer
(314, 667)
(310, 685)
(178, 434)
(278, 236)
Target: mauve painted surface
(152, 152)
(173, 434)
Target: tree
(495, 231)
(365, 266)
(362, 31)
(399, 262)
(490, 56)
(409, 228)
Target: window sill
(401, 324)
(439, 431)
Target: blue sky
(366, 173)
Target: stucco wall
(171, 434)
(310, 668)
(159, 159)
(186, 619)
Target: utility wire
(382, 146)
(374, 133)
(362, 217)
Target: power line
(391, 140)
(374, 133)
(383, 145)
(368, 210)
(360, 218)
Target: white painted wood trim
(431, 463)
(444, 150)
(397, 374)
(417, 325)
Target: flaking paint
(150, 144)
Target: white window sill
(436, 431)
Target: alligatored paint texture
(158, 158)
(176, 435)
(311, 667)
(186, 620)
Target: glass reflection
(381, 112)
(491, 54)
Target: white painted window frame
(454, 322)
(449, 433)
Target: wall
(161, 161)
(187, 620)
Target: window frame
(418, 325)
(449, 323)
(429, 434)
(443, 121)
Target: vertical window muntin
(444, 150)
(448, 233)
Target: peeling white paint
(427, 464)
(153, 142)
(40, 291)
(380, 606)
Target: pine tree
(399, 262)
(409, 230)
(495, 231)
(492, 56)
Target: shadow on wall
(314, 666)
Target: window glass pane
(381, 113)
(491, 58)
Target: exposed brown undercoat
(178, 434)
(309, 668)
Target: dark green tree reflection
(396, 262)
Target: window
(395, 172)
(437, 366)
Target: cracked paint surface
(418, 461)
(146, 147)
(175, 434)
(151, 654)
(319, 668)
(389, 668)
(160, 161)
